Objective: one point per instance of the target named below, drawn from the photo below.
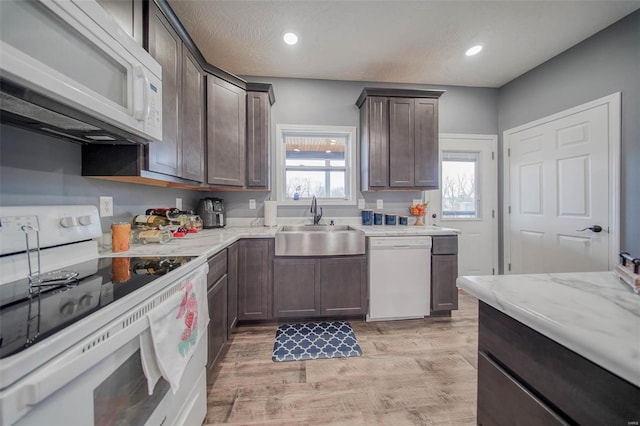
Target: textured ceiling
(392, 41)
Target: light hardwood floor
(413, 372)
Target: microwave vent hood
(68, 70)
(27, 109)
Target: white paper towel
(270, 213)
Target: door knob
(594, 228)
(434, 215)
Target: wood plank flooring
(413, 372)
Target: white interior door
(467, 199)
(559, 191)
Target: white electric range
(71, 325)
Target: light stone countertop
(593, 313)
(210, 241)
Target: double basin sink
(319, 240)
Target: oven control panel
(52, 225)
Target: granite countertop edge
(593, 314)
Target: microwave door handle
(140, 112)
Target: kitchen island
(557, 348)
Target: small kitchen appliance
(73, 325)
(212, 212)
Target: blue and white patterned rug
(315, 340)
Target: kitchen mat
(315, 340)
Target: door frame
(493, 139)
(613, 103)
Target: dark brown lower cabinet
(255, 271)
(232, 288)
(217, 297)
(343, 286)
(319, 287)
(444, 272)
(525, 378)
(296, 288)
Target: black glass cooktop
(27, 319)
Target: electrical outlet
(106, 206)
(361, 203)
(379, 204)
(179, 203)
(252, 204)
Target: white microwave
(68, 69)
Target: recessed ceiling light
(290, 38)
(474, 50)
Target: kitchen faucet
(314, 210)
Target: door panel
(401, 142)
(469, 183)
(558, 179)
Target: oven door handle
(52, 376)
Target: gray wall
(329, 102)
(605, 63)
(40, 170)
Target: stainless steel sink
(319, 240)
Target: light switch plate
(252, 204)
(179, 203)
(379, 204)
(106, 206)
(361, 203)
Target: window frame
(349, 132)
(477, 184)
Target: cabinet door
(343, 286)
(444, 272)
(165, 46)
(296, 288)
(192, 119)
(377, 118)
(232, 288)
(426, 144)
(226, 128)
(502, 400)
(401, 142)
(217, 336)
(258, 132)
(255, 269)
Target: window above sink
(315, 160)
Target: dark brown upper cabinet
(226, 133)
(399, 139)
(259, 100)
(192, 119)
(182, 147)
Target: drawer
(582, 390)
(444, 244)
(217, 267)
(504, 401)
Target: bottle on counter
(151, 221)
(170, 212)
(146, 236)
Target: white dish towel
(175, 328)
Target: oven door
(100, 380)
(114, 392)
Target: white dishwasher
(399, 277)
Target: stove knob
(68, 222)
(84, 220)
